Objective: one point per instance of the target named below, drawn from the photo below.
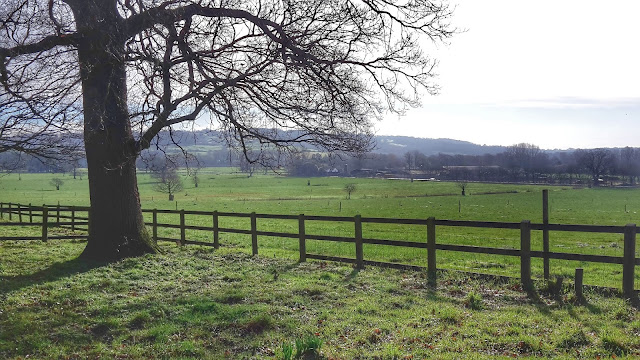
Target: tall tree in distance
(56, 182)
(463, 187)
(124, 70)
(168, 182)
(193, 168)
(630, 163)
(596, 161)
(526, 157)
(350, 188)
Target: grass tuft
(473, 301)
(574, 340)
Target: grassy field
(222, 189)
(197, 303)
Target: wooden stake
(545, 232)
(216, 240)
(358, 239)
(431, 244)
(525, 254)
(302, 238)
(254, 234)
(45, 222)
(578, 283)
(629, 262)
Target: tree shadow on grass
(53, 273)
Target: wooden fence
(49, 215)
(628, 260)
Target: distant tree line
(520, 163)
(24, 163)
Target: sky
(558, 74)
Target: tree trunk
(116, 224)
(116, 228)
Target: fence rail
(628, 260)
(50, 215)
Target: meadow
(225, 190)
(198, 302)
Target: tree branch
(45, 44)
(163, 16)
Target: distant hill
(399, 145)
(201, 141)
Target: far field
(224, 190)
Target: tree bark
(117, 227)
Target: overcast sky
(559, 74)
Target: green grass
(197, 303)
(224, 190)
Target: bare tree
(350, 188)
(630, 163)
(123, 70)
(40, 110)
(72, 165)
(193, 168)
(410, 157)
(526, 157)
(246, 166)
(195, 179)
(169, 182)
(57, 182)
(162, 167)
(463, 187)
(595, 161)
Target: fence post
(45, 221)
(358, 238)
(183, 236)
(302, 238)
(629, 262)
(545, 232)
(30, 214)
(155, 225)
(216, 232)
(19, 212)
(73, 219)
(10, 214)
(525, 254)
(58, 214)
(578, 283)
(431, 245)
(1, 210)
(254, 234)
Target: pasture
(224, 190)
(196, 302)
